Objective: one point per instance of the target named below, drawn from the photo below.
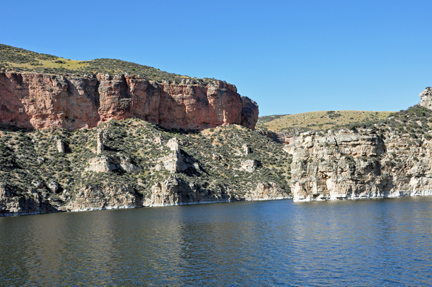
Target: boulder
(249, 165)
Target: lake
(272, 243)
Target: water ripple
(277, 243)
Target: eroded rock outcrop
(426, 98)
(111, 163)
(266, 191)
(42, 101)
(99, 142)
(249, 165)
(101, 197)
(60, 146)
(175, 191)
(23, 203)
(360, 164)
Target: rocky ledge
(30, 100)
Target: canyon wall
(40, 101)
(390, 159)
(359, 164)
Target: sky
(289, 56)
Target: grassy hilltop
(323, 120)
(416, 121)
(21, 60)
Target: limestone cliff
(426, 98)
(390, 159)
(31, 100)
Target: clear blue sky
(289, 56)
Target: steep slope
(132, 163)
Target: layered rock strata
(360, 164)
(40, 101)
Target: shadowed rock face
(43, 101)
(249, 113)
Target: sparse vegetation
(30, 161)
(324, 120)
(21, 60)
(265, 119)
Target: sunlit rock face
(44, 101)
(360, 164)
(426, 98)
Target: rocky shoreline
(10, 214)
(390, 196)
(360, 164)
(396, 194)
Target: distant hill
(21, 60)
(322, 120)
(265, 119)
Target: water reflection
(364, 243)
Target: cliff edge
(31, 100)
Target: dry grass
(323, 119)
(21, 60)
(67, 64)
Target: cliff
(390, 159)
(362, 164)
(31, 100)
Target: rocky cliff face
(426, 98)
(40, 101)
(390, 159)
(360, 164)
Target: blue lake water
(273, 243)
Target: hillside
(21, 60)
(133, 163)
(265, 119)
(323, 120)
